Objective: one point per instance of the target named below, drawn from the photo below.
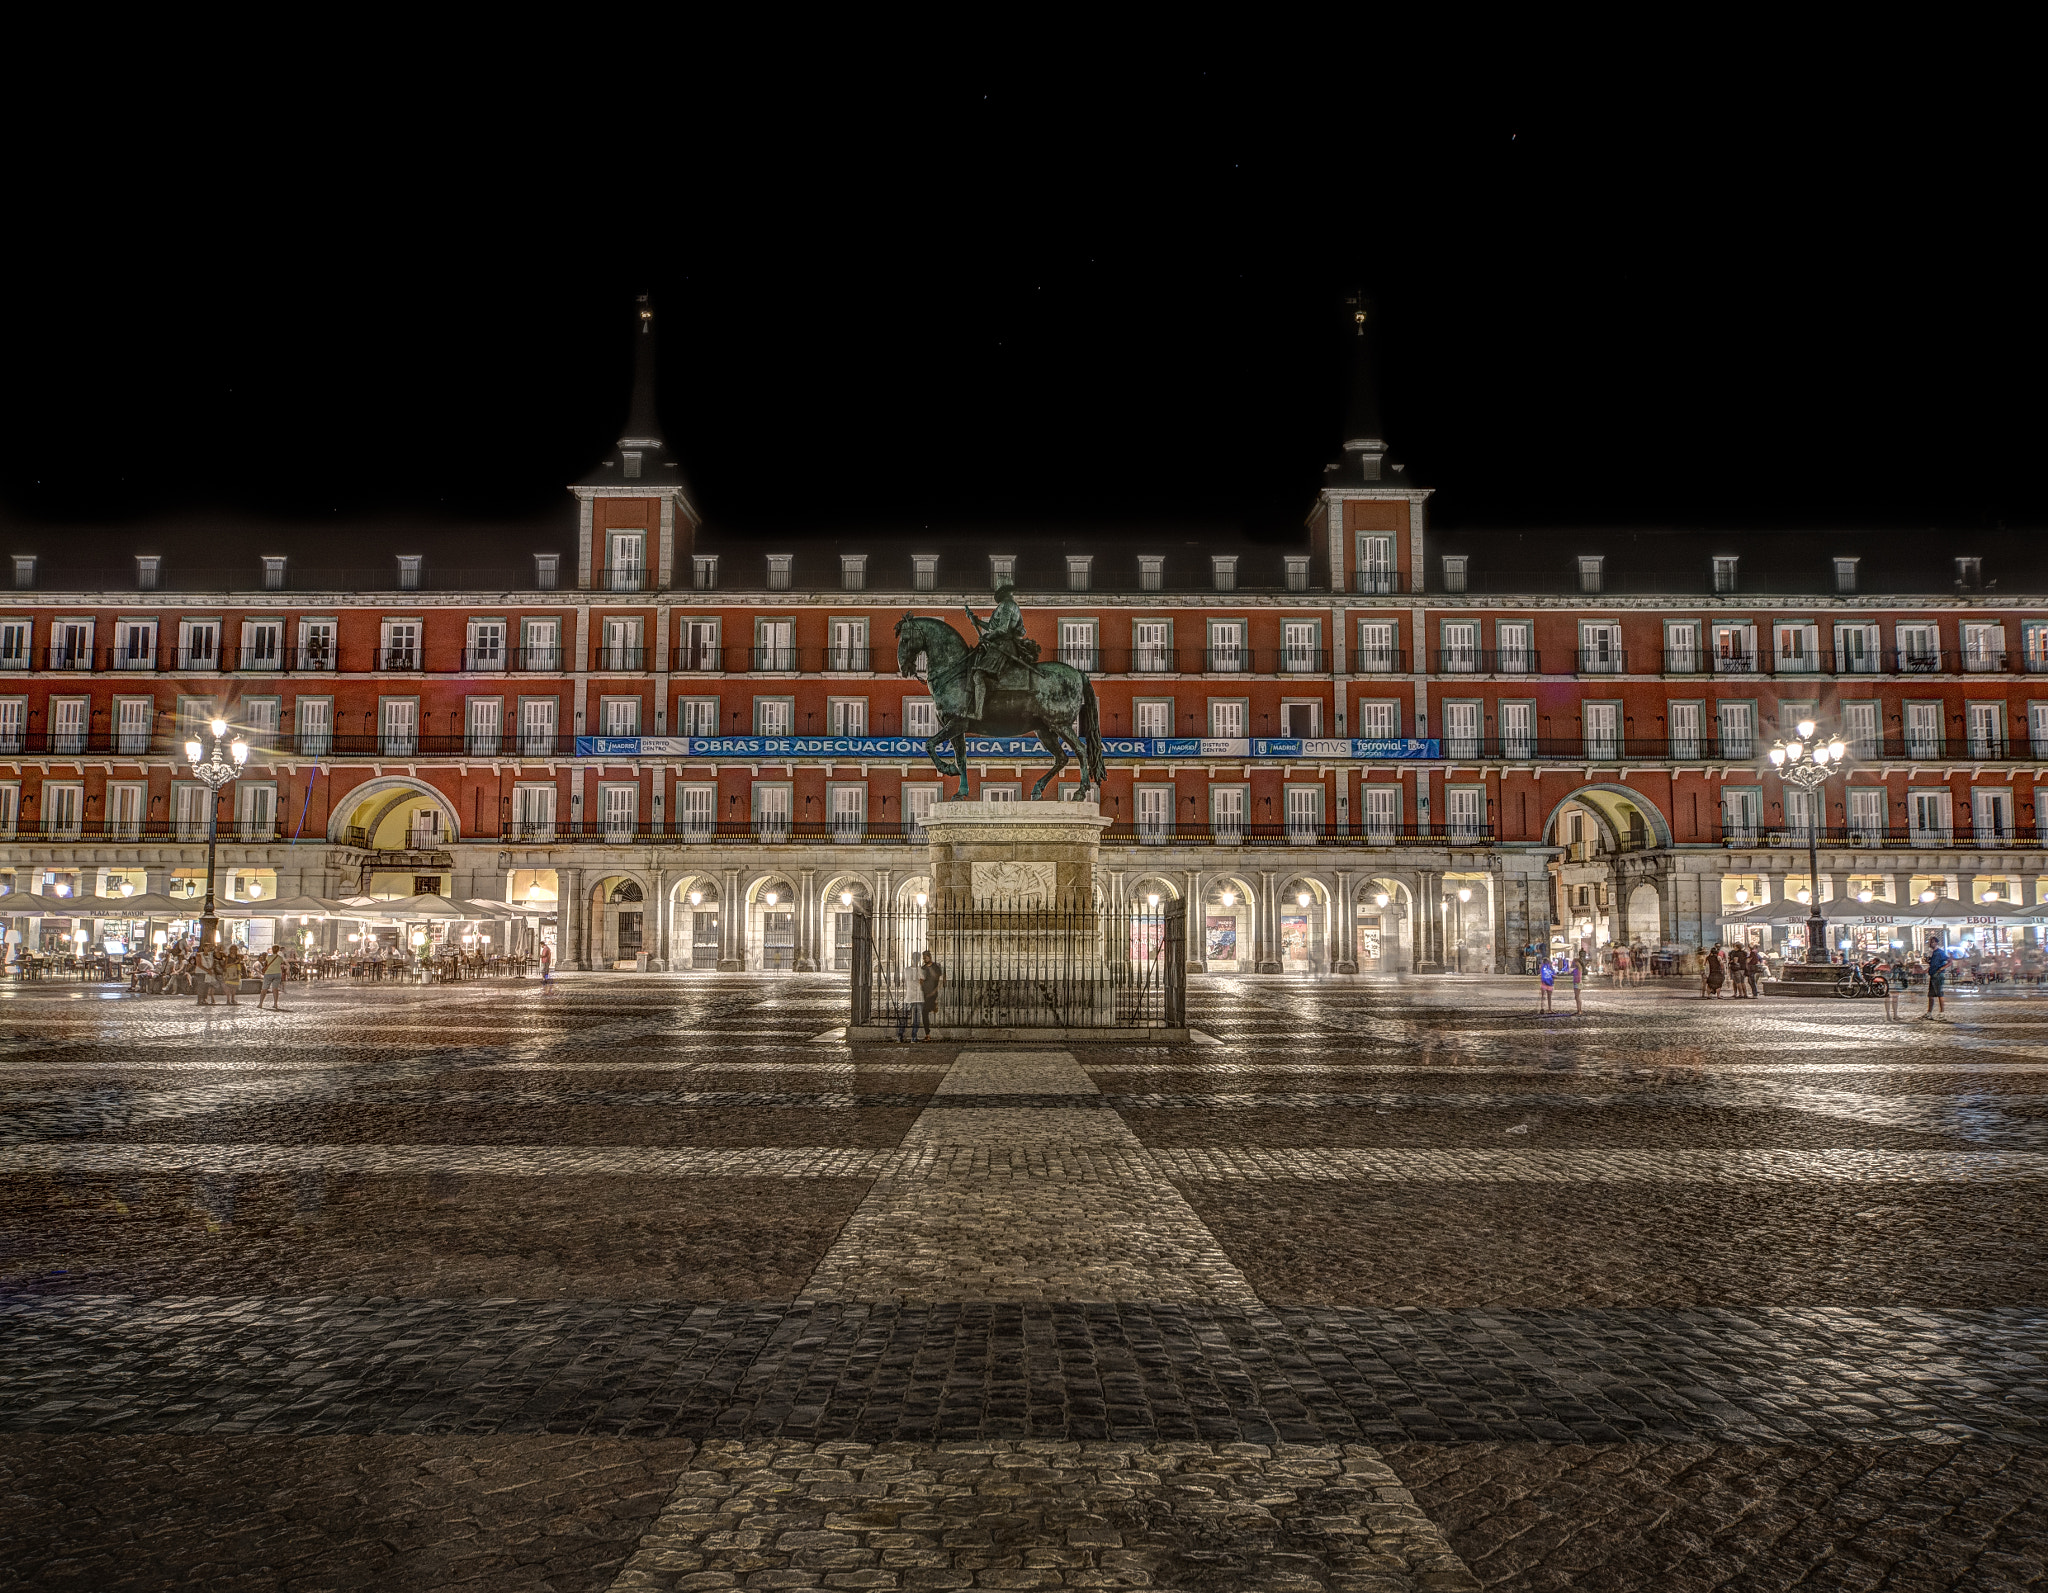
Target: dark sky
(1003, 296)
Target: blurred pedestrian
(1546, 978)
(1578, 984)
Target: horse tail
(1091, 734)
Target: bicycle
(1862, 979)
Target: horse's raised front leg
(1049, 736)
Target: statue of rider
(1003, 643)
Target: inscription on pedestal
(1015, 884)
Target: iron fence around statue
(1067, 966)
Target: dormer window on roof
(778, 571)
(1454, 572)
(24, 570)
(632, 456)
(1845, 574)
(1223, 571)
(409, 565)
(1297, 572)
(273, 572)
(1077, 571)
(924, 571)
(1589, 571)
(1724, 571)
(147, 565)
(1001, 567)
(704, 571)
(1151, 572)
(853, 572)
(1970, 572)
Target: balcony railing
(1376, 583)
(484, 660)
(1469, 661)
(697, 658)
(1733, 662)
(617, 658)
(1603, 661)
(777, 660)
(846, 660)
(1379, 661)
(1915, 661)
(1300, 661)
(403, 659)
(537, 659)
(1794, 836)
(1228, 661)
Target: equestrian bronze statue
(1000, 688)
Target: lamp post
(217, 767)
(1806, 760)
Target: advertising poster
(1294, 937)
(1220, 942)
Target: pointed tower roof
(1364, 455)
(640, 459)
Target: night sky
(930, 301)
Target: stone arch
(771, 928)
(834, 936)
(1302, 930)
(1610, 803)
(622, 917)
(685, 949)
(1143, 885)
(1389, 947)
(371, 806)
(1225, 940)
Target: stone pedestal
(1014, 854)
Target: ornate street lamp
(216, 768)
(1806, 760)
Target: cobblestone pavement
(657, 1283)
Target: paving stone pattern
(656, 1282)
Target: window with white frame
(1857, 649)
(848, 648)
(1227, 717)
(1600, 650)
(1297, 566)
(537, 726)
(619, 716)
(127, 803)
(697, 716)
(1734, 649)
(1152, 717)
(540, 644)
(1462, 733)
(1454, 572)
(1077, 644)
(259, 721)
(1151, 572)
(1227, 654)
(1301, 718)
(533, 812)
(1798, 648)
(1860, 728)
(775, 645)
(14, 643)
(1376, 654)
(409, 567)
(1152, 808)
(316, 645)
(10, 808)
(924, 571)
(917, 805)
(1228, 805)
(626, 560)
(547, 571)
(1515, 646)
(2037, 726)
(704, 571)
(1301, 650)
(192, 806)
(24, 570)
(401, 645)
(199, 644)
(313, 722)
(487, 649)
(1867, 820)
(262, 644)
(255, 810)
(398, 726)
(853, 572)
(1460, 654)
(1983, 647)
(71, 644)
(697, 647)
(1725, 566)
(1969, 572)
(1518, 729)
(273, 572)
(1684, 721)
(1991, 810)
(1742, 809)
(1986, 725)
(1923, 730)
(1304, 812)
(779, 569)
(1223, 572)
(618, 806)
(69, 723)
(619, 644)
(1382, 816)
(1681, 647)
(848, 810)
(774, 716)
(1735, 727)
(1589, 572)
(1603, 729)
(63, 808)
(1376, 572)
(920, 716)
(148, 566)
(697, 811)
(1379, 721)
(134, 720)
(1151, 647)
(1919, 648)
(1077, 571)
(1466, 814)
(1002, 567)
(771, 812)
(846, 716)
(135, 644)
(484, 726)
(1845, 574)
(1927, 816)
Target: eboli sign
(983, 747)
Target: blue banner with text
(982, 748)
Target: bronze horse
(1055, 702)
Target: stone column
(732, 925)
(1191, 889)
(808, 910)
(658, 960)
(1428, 913)
(1344, 927)
(1503, 920)
(571, 912)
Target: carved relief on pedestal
(1014, 884)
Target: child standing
(1546, 975)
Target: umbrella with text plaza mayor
(288, 907)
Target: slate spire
(643, 427)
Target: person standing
(1716, 973)
(1937, 977)
(1578, 985)
(273, 981)
(547, 961)
(1546, 978)
(931, 974)
(204, 974)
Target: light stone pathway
(1084, 1215)
(1043, 1514)
(1118, 1231)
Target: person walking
(1578, 985)
(205, 975)
(231, 974)
(1894, 981)
(1937, 977)
(931, 975)
(1716, 973)
(273, 981)
(547, 962)
(1546, 977)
